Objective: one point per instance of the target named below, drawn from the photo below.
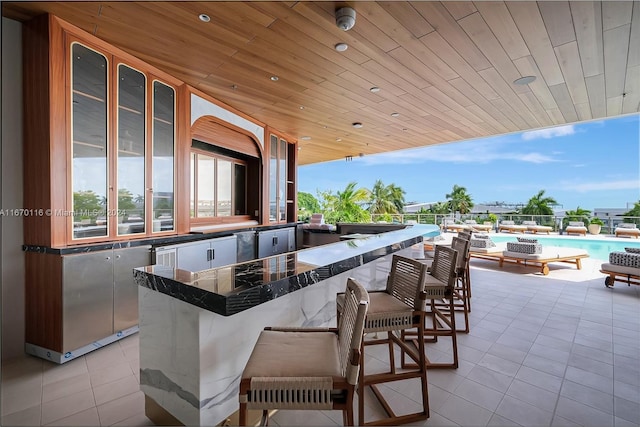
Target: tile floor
(556, 350)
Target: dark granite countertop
(232, 289)
(153, 241)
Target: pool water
(597, 248)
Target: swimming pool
(597, 248)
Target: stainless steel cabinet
(275, 242)
(100, 297)
(200, 255)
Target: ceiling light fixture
(338, 139)
(522, 81)
(305, 138)
(274, 78)
(395, 114)
(204, 17)
(302, 107)
(341, 47)
(375, 89)
(357, 125)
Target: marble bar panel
(191, 358)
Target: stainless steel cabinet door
(87, 299)
(193, 256)
(223, 251)
(125, 291)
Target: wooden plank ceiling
(446, 68)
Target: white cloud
(549, 133)
(630, 184)
(474, 152)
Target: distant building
(611, 216)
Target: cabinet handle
(275, 240)
(210, 254)
(108, 258)
(117, 256)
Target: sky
(592, 165)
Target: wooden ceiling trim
(499, 20)
(504, 90)
(460, 9)
(436, 43)
(614, 105)
(556, 116)
(587, 19)
(569, 60)
(634, 44)
(531, 101)
(502, 105)
(403, 12)
(616, 14)
(631, 102)
(597, 97)
(584, 111)
(558, 21)
(208, 129)
(563, 99)
(438, 16)
(377, 26)
(488, 120)
(527, 67)
(464, 87)
(616, 48)
(479, 31)
(527, 17)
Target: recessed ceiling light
(274, 78)
(395, 114)
(338, 139)
(204, 17)
(357, 125)
(305, 138)
(341, 47)
(524, 80)
(301, 107)
(375, 89)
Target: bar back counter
(197, 329)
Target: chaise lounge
(529, 253)
(534, 228)
(576, 227)
(478, 227)
(511, 227)
(449, 224)
(628, 229)
(623, 267)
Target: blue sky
(592, 165)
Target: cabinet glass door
(163, 157)
(89, 148)
(131, 151)
(282, 181)
(273, 179)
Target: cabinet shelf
(131, 110)
(163, 121)
(89, 144)
(86, 95)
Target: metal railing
(558, 223)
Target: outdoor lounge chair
(478, 227)
(534, 228)
(449, 224)
(511, 227)
(576, 227)
(627, 229)
(531, 254)
(623, 267)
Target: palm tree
(439, 208)
(345, 206)
(459, 200)
(539, 205)
(578, 215)
(386, 199)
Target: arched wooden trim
(214, 131)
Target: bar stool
(399, 307)
(307, 368)
(439, 285)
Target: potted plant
(595, 225)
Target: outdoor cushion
(620, 269)
(524, 248)
(627, 225)
(526, 240)
(576, 224)
(633, 250)
(529, 223)
(626, 259)
(507, 223)
(482, 243)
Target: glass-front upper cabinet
(277, 179)
(122, 150)
(89, 147)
